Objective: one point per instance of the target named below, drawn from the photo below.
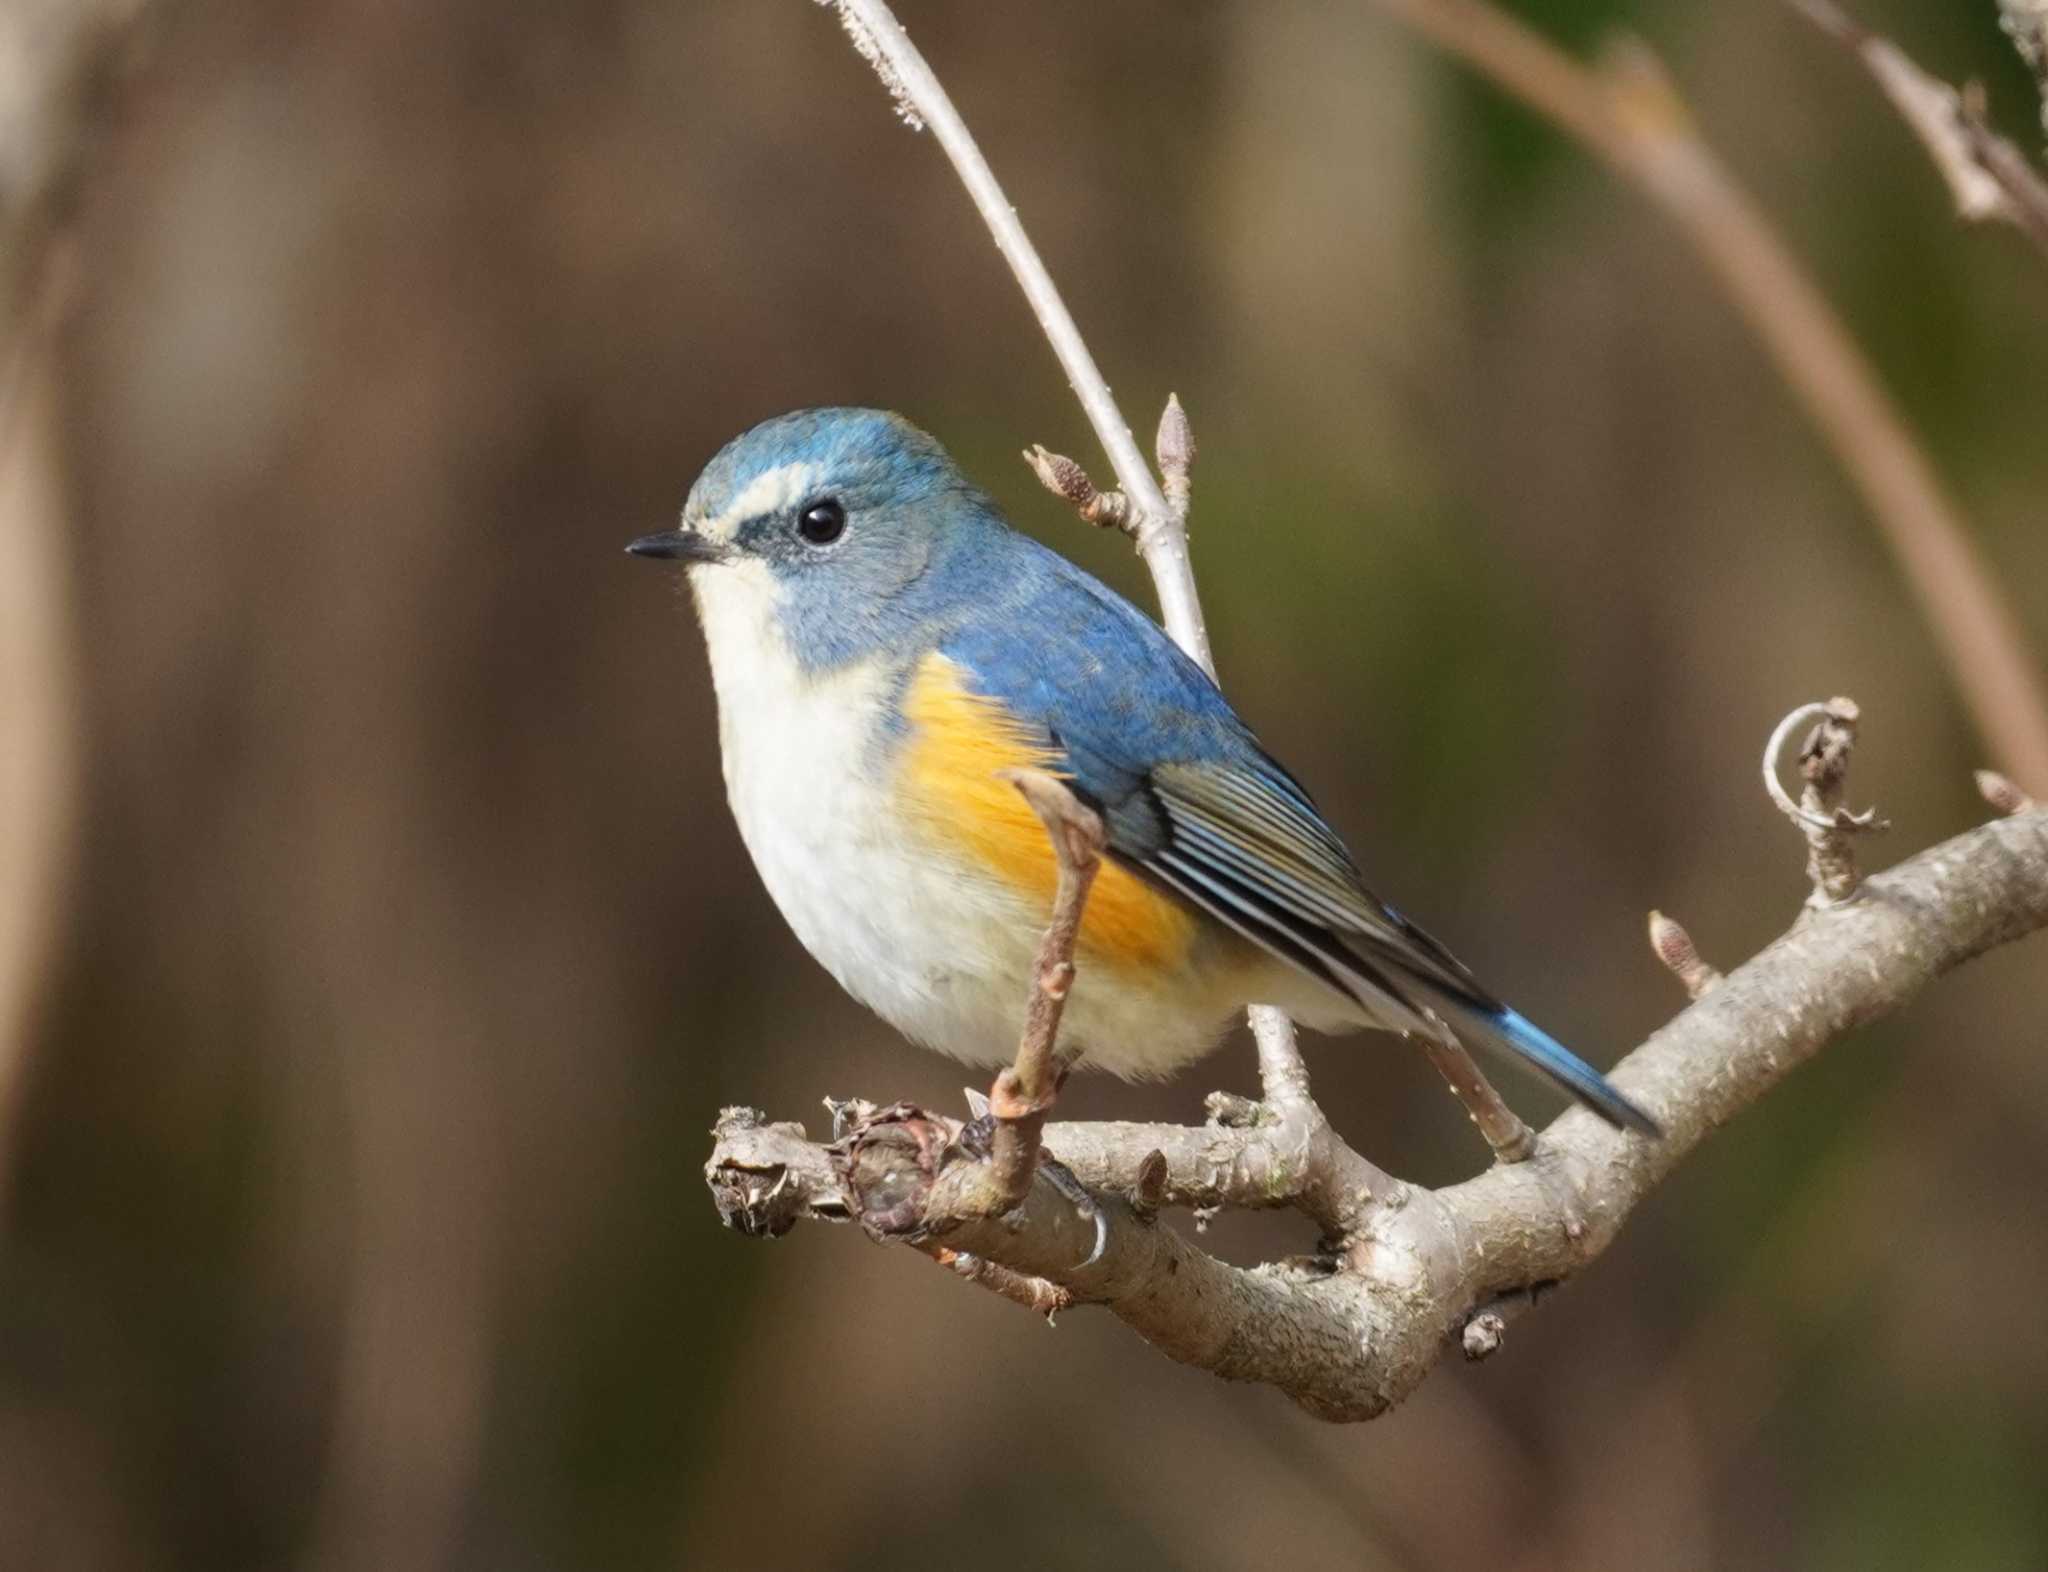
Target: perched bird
(883, 643)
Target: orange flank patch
(959, 740)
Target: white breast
(895, 923)
(934, 946)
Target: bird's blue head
(830, 527)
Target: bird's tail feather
(1524, 1042)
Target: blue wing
(1193, 802)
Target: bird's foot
(977, 1140)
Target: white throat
(790, 738)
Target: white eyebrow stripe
(768, 492)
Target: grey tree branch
(1410, 1267)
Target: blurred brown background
(407, 951)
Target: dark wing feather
(1244, 842)
(1190, 798)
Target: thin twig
(1033, 1293)
(1160, 542)
(2014, 171)
(1829, 827)
(1512, 1141)
(2026, 24)
(1630, 116)
(1987, 176)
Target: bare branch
(766, 1178)
(1988, 177)
(1629, 116)
(1161, 541)
(2026, 24)
(1351, 1339)
(1033, 1293)
(1024, 1093)
(2016, 173)
(1511, 1140)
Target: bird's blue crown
(869, 454)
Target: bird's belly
(936, 955)
(946, 953)
(928, 935)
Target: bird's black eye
(822, 522)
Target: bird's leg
(981, 1138)
(1061, 1178)
(1512, 1141)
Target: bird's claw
(1062, 1179)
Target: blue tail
(1532, 1045)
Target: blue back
(1066, 653)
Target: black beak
(678, 545)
